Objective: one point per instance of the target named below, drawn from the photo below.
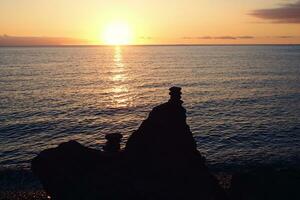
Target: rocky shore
(22, 184)
(252, 184)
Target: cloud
(204, 38)
(285, 36)
(246, 37)
(286, 13)
(6, 40)
(219, 37)
(225, 38)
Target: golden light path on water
(120, 89)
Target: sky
(70, 22)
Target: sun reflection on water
(118, 56)
(120, 88)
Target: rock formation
(113, 142)
(160, 161)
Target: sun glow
(117, 34)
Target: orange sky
(151, 21)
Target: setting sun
(117, 34)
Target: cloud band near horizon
(248, 37)
(220, 37)
(6, 40)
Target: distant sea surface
(243, 102)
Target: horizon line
(103, 45)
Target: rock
(163, 152)
(265, 183)
(164, 134)
(72, 171)
(113, 142)
(160, 161)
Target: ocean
(243, 102)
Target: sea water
(243, 102)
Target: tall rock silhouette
(163, 151)
(164, 136)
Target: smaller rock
(113, 142)
(175, 94)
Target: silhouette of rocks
(266, 183)
(113, 142)
(160, 161)
(164, 134)
(72, 171)
(163, 153)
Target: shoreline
(22, 184)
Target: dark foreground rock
(23, 195)
(160, 161)
(266, 183)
